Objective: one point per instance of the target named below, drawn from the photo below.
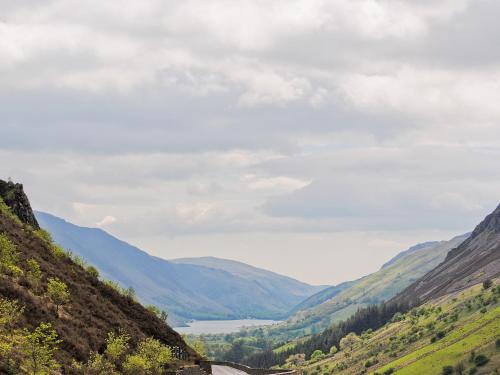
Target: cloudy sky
(314, 138)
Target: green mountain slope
(283, 288)
(374, 288)
(458, 331)
(186, 291)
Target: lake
(199, 327)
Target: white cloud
(272, 117)
(106, 220)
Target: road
(226, 370)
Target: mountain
(472, 262)
(322, 296)
(447, 321)
(371, 289)
(283, 288)
(186, 291)
(90, 310)
(402, 254)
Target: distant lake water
(200, 327)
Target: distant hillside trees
(371, 317)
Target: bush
(58, 292)
(497, 344)
(487, 284)
(93, 272)
(9, 256)
(447, 370)
(481, 360)
(389, 371)
(472, 370)
(317, 354)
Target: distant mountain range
(203, 288)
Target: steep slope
(458, 330)
(186, 291)
(374, 288)
(475, 260)
(283, 288)
(93, 310)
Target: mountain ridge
(475, 260)
(186, 291)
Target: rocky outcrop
(13, 195)
(475, 260)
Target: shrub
(317, 354)
(39, 348)
(447, 370)
(497, 344)
(472, 370)
(116, 346)
(44, 236)
(460, 368)
(93, 272)
(333, 349)
(34, 274)
(487, 284)
(10, 313)
(58, 292)
(481, 360)
(58, 251)
(389, 371)
(9, 256)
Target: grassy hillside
(460, 330)
(186, 291)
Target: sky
(312, 138)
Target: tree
(34, 274)
(163, 315)
(296, 359)
(93, 272)
(116, 346)
(10, 313)
(58, 292)
(333, 349)
(38, 348)
(199, 347)
(155, 310)
(150, 358)
(487, 284)
(349, 341)
(8, 256)
(130, 293)
(317, 354)
(460, 368)
(97, 364)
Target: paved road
(225, 370)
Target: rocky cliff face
(13, 195)
(475, 260)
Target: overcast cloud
(275, 132)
